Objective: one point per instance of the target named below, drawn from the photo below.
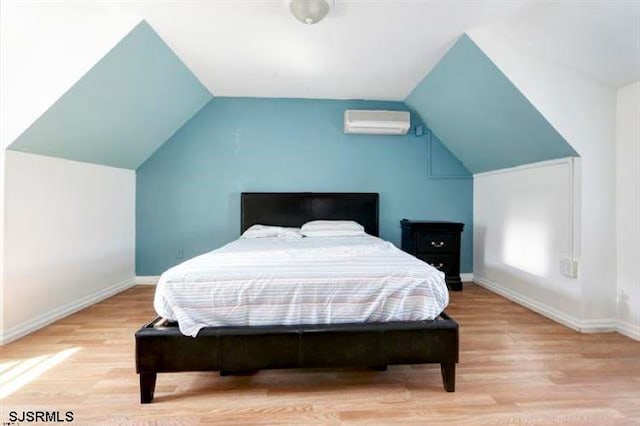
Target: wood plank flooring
(516, 368)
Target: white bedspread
(273, 281)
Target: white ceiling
(381, 49)
(364, 49)
(600, 39)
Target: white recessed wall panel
(583, 111)
(524, 222)
(69, 238)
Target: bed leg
(378, 368)
(147, 387)
(448, 370)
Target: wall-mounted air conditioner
(369, 122)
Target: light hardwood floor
(516, 367)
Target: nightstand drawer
(436, 243)
(443, 262)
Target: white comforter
(274, 281)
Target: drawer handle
(437, 244)
(438, 266)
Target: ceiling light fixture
(310, 11)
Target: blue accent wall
(188, 191)
(122, 109)
(480, 116)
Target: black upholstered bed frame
(161, 348)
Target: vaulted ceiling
(372, 50)
(379, 49)
(363, 49)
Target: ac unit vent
(376, 122)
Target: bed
(302, 315)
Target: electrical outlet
(180, 254)
(569, 268)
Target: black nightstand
(438, 244)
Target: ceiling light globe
(309, 11)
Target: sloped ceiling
(599, 39)
(122, 109)
(140, 93)
(375, 50)
(480, 116)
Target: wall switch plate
(569, 268)
(180, 254)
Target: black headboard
(296, 208)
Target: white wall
(44, 50)
(523, 226)
(583, 112)
(628, 209)
(69, 238)
(2, 174)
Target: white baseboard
(629, 329)
(466, 278)
(53, 315)
(584, 326)
(147, 280)
(603, 325)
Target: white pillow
(261, 231)
(332, 228)
(266, 231)
(332, 225)
(334, 233)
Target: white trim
(603, 325)
(629, 329)
(43, 320)
(466, 278)
(584, 326)
(147, 280)
(572, 209)
(525, 166)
